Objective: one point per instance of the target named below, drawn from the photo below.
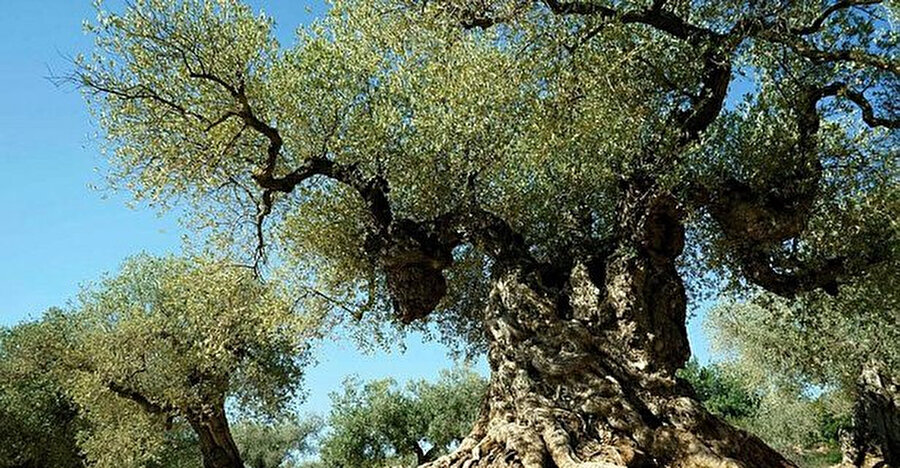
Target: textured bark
(875, 436)
(583, 367)
(216, 444)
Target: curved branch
(137, 397)
(756, 222)
(800, 276)
(807, 50)
(820, 20)
(654, 16)
(840, 89)
(706, 108)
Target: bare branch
(137, 92)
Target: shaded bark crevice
(561, 396)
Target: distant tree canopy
(39, 422)
(380, 424)
(802, 423)
(156, 350)
(278, 444)
(723, 393)
(848, 344)
(816, 340)
(527, 175)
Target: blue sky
(57, 232)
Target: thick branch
(706, 108)
(145, 403)
(797, 276)
(757, 221)
(820, 20)
(655, 16)
(490, 232)
(716, 56)
(868, 113)
(805, 49)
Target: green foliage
(816, 342)
(379, 424)
(815, 339)
(164, 340)
(538, 120)
(788, 419)
(802, 426)
(38, 421)
(277, 444)
(721, 391)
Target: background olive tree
(847, 345)
(152, 355)
(381, 424)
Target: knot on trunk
(764, 217)
(414, 262)
(416, 284)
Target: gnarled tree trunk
(875, 436)
(216, 444)
(583, 366)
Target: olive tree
(721, 390)
(796, 420)
(380, 424)
(276, 444)
(847, 343)
(39, 423)
(152, 354)
(525, 174)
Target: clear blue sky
(56, 232)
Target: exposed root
(562, 453)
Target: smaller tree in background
(276, 444)
(379, 423)
(154, 353)
(721, 392)
(39, 423)
(803, 425)
(846, 345)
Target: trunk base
(687, 437)
(583, 377)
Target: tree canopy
(527, 174)
(380, 424)
(366, 146)
(279, 444)
(39, 422)
(723, 392)
(846, 346)
(819, 339)
(155, 351)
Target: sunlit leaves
(167, 338)
(378, 423)
(536, 118)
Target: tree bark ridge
(216, 443)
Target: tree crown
(401, 151)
